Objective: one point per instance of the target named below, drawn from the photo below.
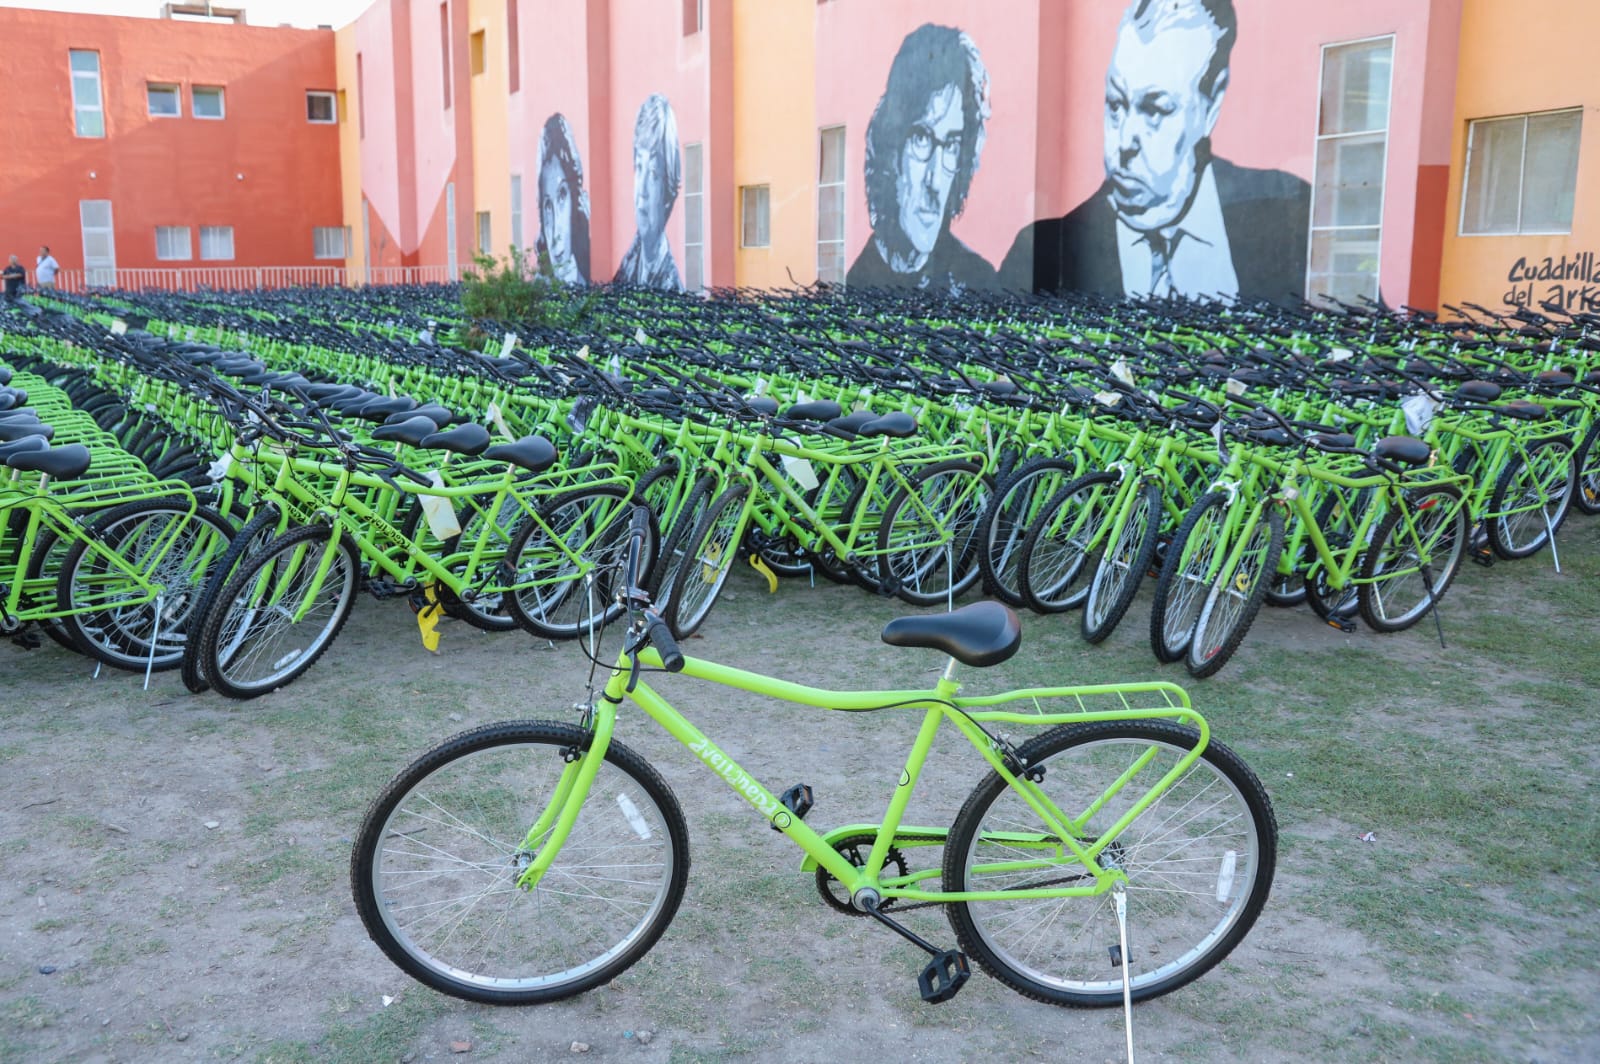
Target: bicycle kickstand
(1120, 896)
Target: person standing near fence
(44, 269)
(13, 276)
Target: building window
(755, 227)
(1351, 158)
(516, 211)
(513, 48)
(1521, 174)
(361, 97)
(172, 243)
(694, 16)
(444, 50)
(165, 101)
(475, 46)
(216, 242)
(485, 244)
(206, 101)
(830, 206)
(329, 242)
(694, 229)
(321, 108)
(88, 116)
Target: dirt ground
(173, 869)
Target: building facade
(136, 147)
(1373, 149)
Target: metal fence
(246, 278)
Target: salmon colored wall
(490, 150)
(648, 53)
(167, 171)
(856, 44)
(375, 103)
(1557, 39)
(771, 123)
(441, 133)
(356, 253)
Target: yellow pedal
(761, 567)
(428, 619)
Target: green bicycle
(529, 861)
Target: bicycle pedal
(1344, 624)
(797, 800)
(27, 640)
(1483, 557)
(946, 974)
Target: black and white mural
(657, 166)
(924, 142)
(1173, 217)
(562, 248)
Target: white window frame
(209, 234)
(1383, 193)
(320, 237)
(80, 106)
(844, 171)
(694, 252)
(333, 107)
(484, 225)
(1522, 173)
(763, 219)
(222, 102)
(169, 253)
(166, 87)
(516, 211)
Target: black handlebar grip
(661, 638)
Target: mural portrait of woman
(657, 163)
(923, 145)
(562, 249)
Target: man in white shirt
(1171, 218)
(44, 269)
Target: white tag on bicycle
(1217, 434)
(800, 471)
(172, 333)
(118, 327)
(441, 516)
(1120, 370)
(1419, 410)
(507, 344)
(1340, 354)
(500, 422)
(761, 387)
(221, 466)
(1107, 398)
(188, 334)
(583, 353)
(1235, 386)
(639, 337)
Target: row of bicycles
(207, 483)
(211, 490)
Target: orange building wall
(1555, 69)
(167, 171)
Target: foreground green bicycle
(529, 861)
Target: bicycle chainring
(856, 849)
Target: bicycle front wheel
(1198, 861)
(1235, 596)
(1122, 565)
(929, 536)
(712, 548)
(1197, 548)
(273, 620)
(435, 866)
(1396, 593)
(1530, 499)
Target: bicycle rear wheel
(435, 865)
(713, 548)
(251, 537)
(1390, 603)
(570, 561)
(1199, 862)
(1004, 526)
(929, 536)
(267, 627)
(1190, 565)
(1235, 596)
(1530, 499)
(1055, 552)
(1122, 564)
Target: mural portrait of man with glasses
(923, 146)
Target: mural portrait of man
(1171, 218)
(562, 249)
(923, 146)
(657, 163)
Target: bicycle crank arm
(946, 974)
